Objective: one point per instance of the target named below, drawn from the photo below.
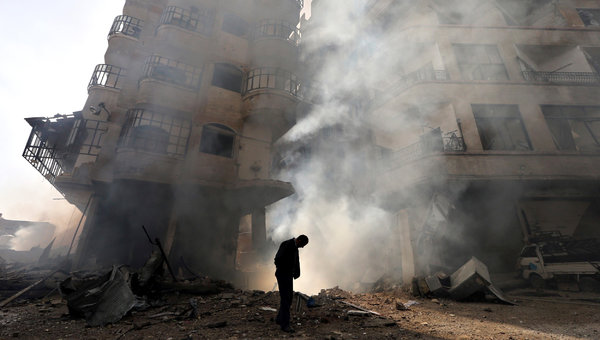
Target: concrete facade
(178, 130)
(506, 144)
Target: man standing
(288, 269)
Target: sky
(48, 52)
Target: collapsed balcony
(556, 64)
(430, 143)
(55, 144)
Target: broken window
(156, 132)
(480, 62)
(227, 77)
(217, 140)
(589, 16)
(500, 127)
(574, 128)
(234, 25)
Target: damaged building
(502, 137)
(177, 132)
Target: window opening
(574, 128)
(217, 140)
(501, 127)
(480, 62)
(234, 25)
(589, 16)
(227, 77)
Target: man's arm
(297, 266)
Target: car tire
(537, 282)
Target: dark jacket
(287, 260)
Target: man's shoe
(287, 329)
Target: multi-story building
(501, 131)
(177, 131)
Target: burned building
(500, 139)
(177, 131)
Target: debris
(219, 324)
(358, 313)
(268, 309)
(410, 303)
(157, 243)
(25, 290)
(360, 308)
(101, 300)
(400, 305)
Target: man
(288, 269)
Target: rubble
(470, 279)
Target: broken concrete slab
(470, 278)
(101, 300)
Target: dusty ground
(240, 315)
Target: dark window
(217, 140)
(172, 71)
(480, 62)
(500, 127)
(227, 77)
(156, 132)
(574, 128)
(234, 25)
(590, 16)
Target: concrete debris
(100, 300)
(268, 309)
(470, 279)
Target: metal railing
(156, 132)
(300, 3)
(562, 77)
(107, 76)
(55, 143)
(126, 25)
(197, 20)
(272, 78)
(278, 30)
(430, 143)
(172, 71)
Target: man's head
(301, 241)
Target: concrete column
(86, 232)
(464, 112)
(537, 128)
(406, 249)
(171, 231)
(259, 229)
(508, 53)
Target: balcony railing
(55, 143)
(107, 76)
(591, 78)
(430, 143)
(126, 25)
(272, 78)
(156, 132)
(300, 3)
(196, 20)
(172, 71)
(276, 29)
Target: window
(590, 16)
(529, 252)
(500, 127)
(480, 62)
(574, 128)
(172, 71)
(194, 19)
(217, 140)
(156, 132)
(227, 77)
(234, 25)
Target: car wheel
(537, 282)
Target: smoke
(353, 64)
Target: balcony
(55, 143)
(107, 76)
(194, 19)
(265, 78)
(410, 79)
(275, 29)
(300, 3)
(586, 78)
(156, 133)
(126, 25)
(172, 71)
(430, 143)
